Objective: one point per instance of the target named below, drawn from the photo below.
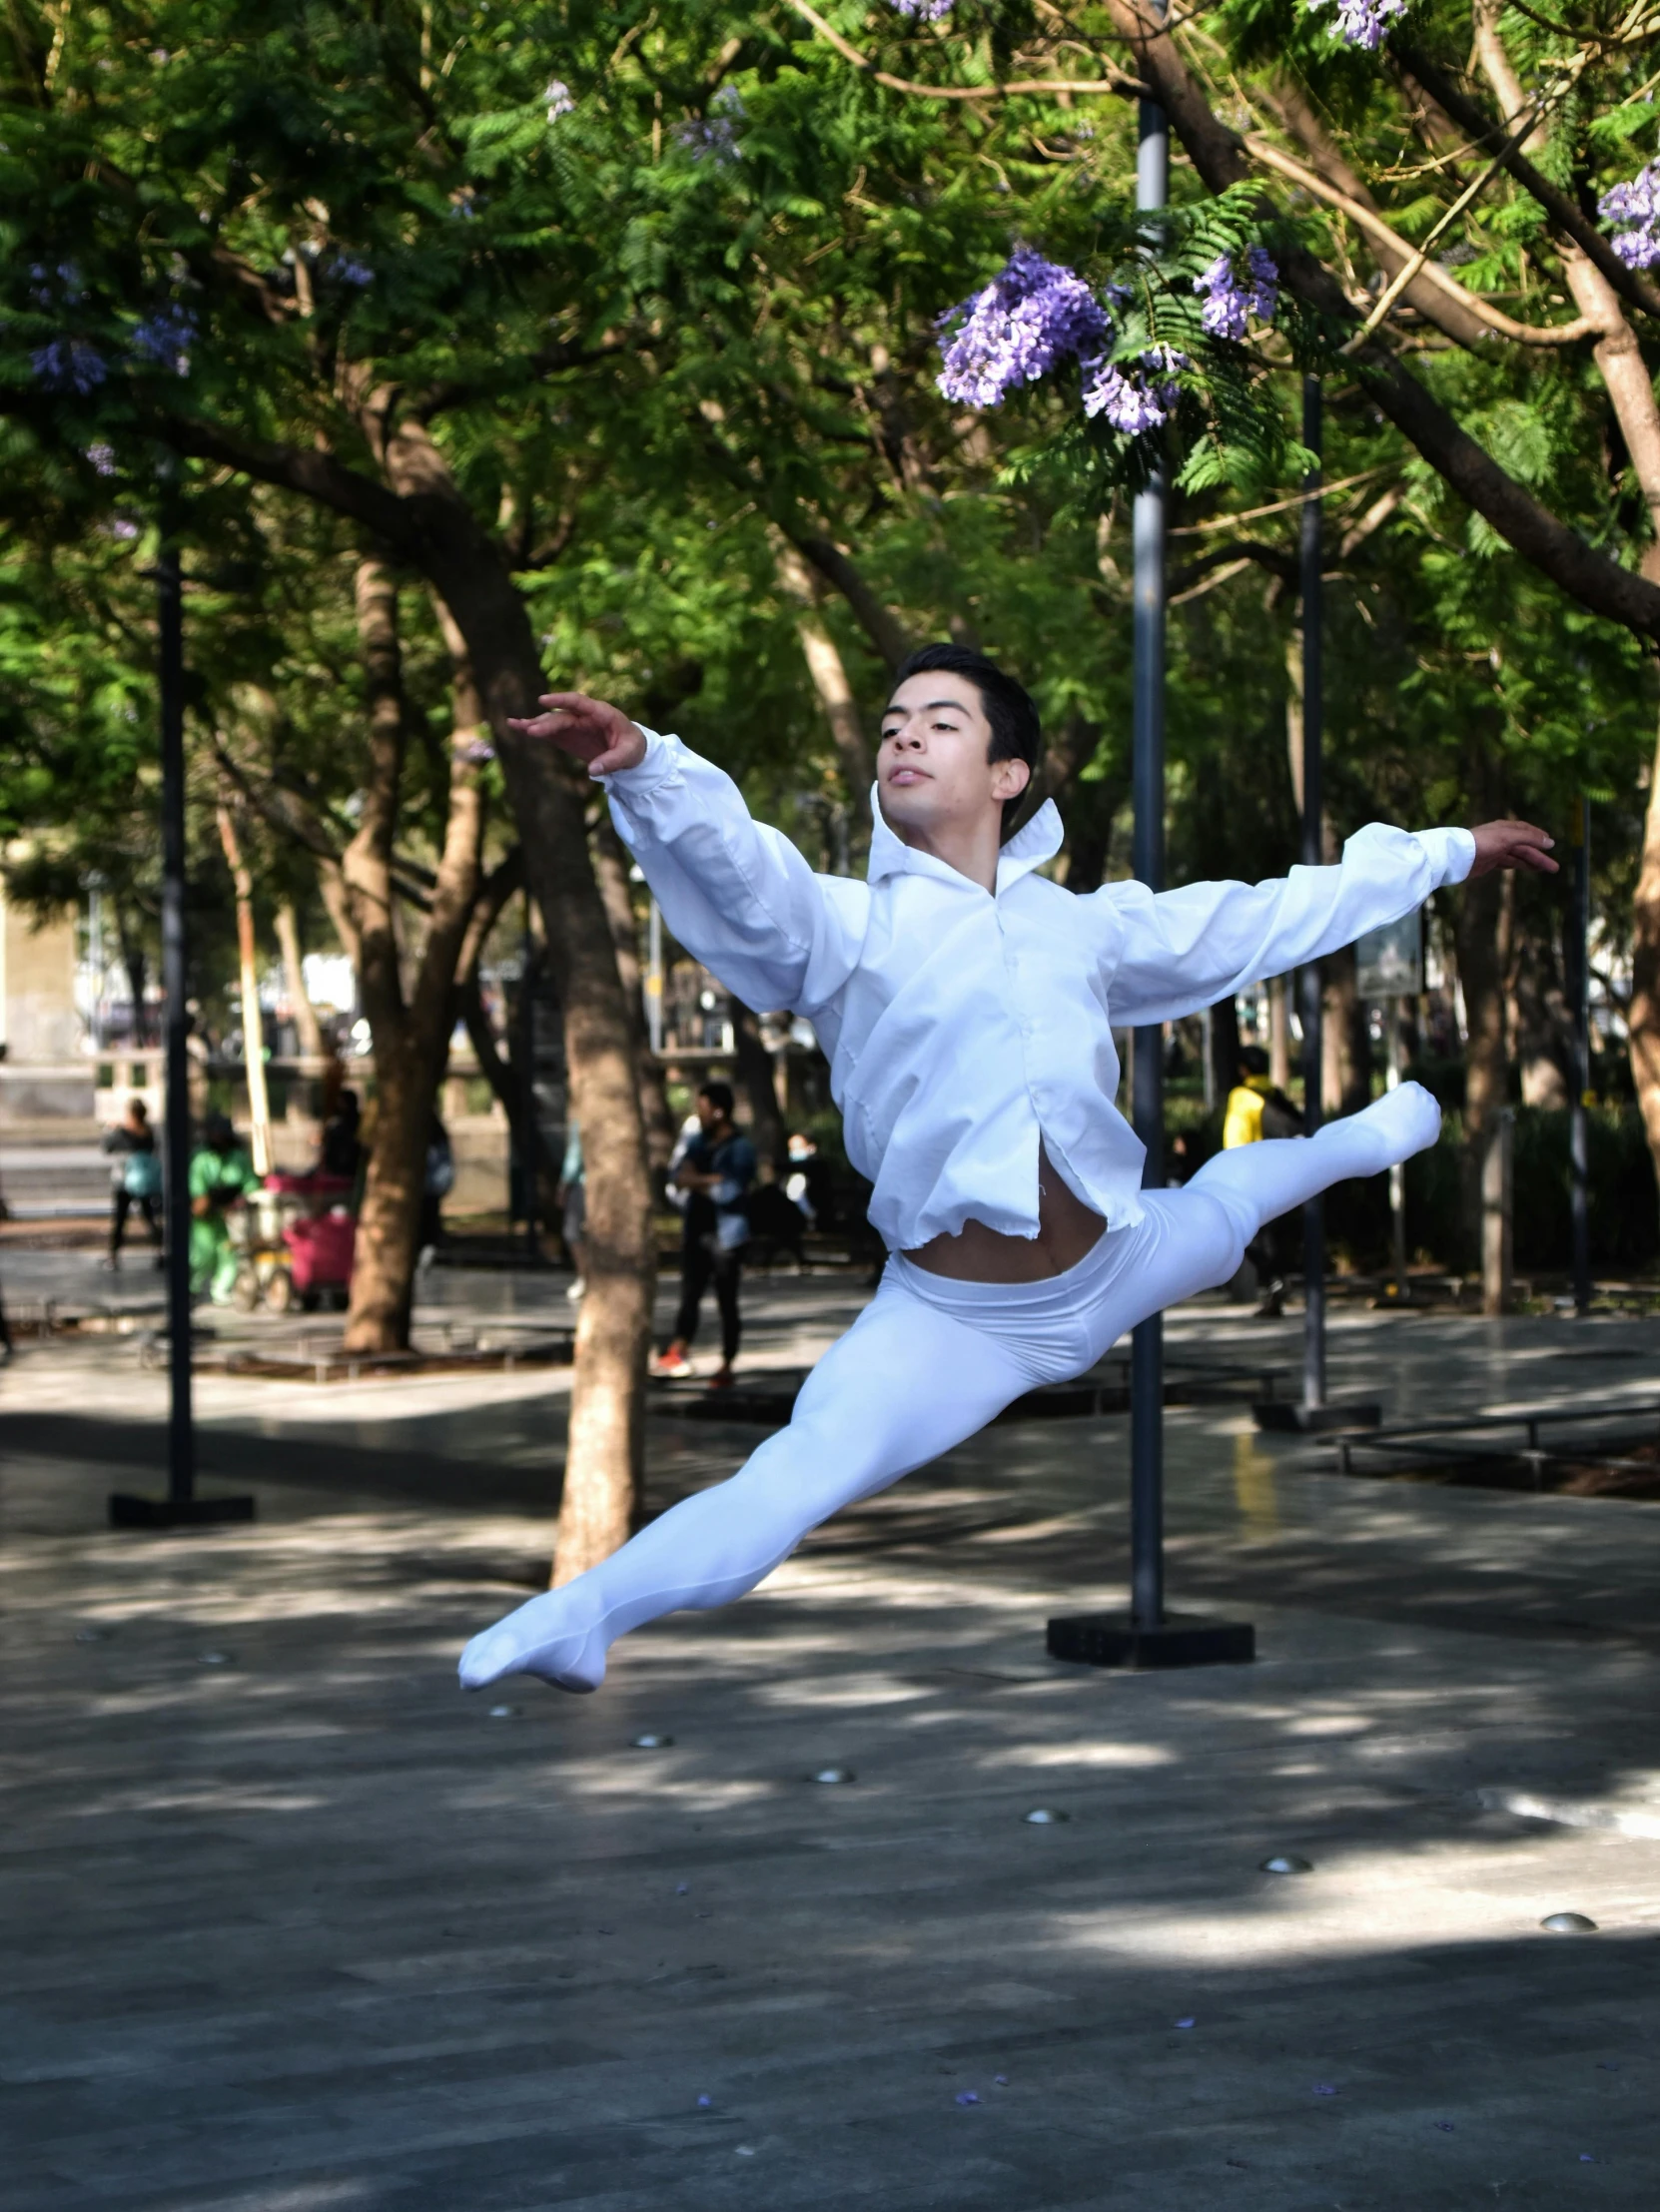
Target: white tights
(928, 1364)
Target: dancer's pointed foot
(1402, 1122)
(540, 1639)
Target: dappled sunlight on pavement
(291, 1921)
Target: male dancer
(967, 1005)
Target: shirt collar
(1032, 844)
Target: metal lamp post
(531, 1167)
(1315, 1413)
(1579, 965)
(1149, 1635)
(182, 1506)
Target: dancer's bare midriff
(1067, 1229)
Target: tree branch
(1243, 550)
(1598, 583)
(422, 406)
(1486, 132)
(505, 878)
(314, 476)
(284, 810)
(1464, 315)
(1117, 82)
(839, 571)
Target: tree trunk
(1482, 966)
(1644, 1017)
(507, 1088)
(388, 1219)
(1345, 1039)
(610, 868)
(138, 976)
(423, 513)
(830, 680)
(758, 1078)
(1279, 1033)
(410, 1033)
(604, 1454)
(507, 1084)
(253, 1024)
(307, 1026)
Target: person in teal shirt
(573, 1198)
(221, 1174)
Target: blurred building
(46, 1073)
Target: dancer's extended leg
(1256, 1182)
(903, 1385)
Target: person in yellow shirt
(1257, 1107)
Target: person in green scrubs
(220, 1173)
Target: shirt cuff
(661, 765)
(1451, 854)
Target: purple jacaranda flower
(558, 98)
(124, 529)
(1139, 397)
(356, 273)
(1233, 292)
(1026, 322)
(102, 456)
(1364, 22)
(69, 365)
(714, 137)
(475, 751)
(164, 337)
(924, 11)
(59, 287)
(1635, 208)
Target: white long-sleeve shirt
(965, 1027)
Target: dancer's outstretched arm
(735, 893)
(1184, 950)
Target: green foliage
(697, 314)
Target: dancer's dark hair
(1017, 729)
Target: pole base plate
(1179, 1639)
(130, 1512)
(1289, 1418)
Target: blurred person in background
(807, 1184)
(135, 1179)
(1257, 1109)
(341, 1150)
(714, 1169)
(572, 1196)
(221, 1175)
(439, 1179)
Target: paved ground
(289, 1923)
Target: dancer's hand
(1512, 845)
(591, 729)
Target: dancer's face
(933, 772)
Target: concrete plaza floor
(290, 1924)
